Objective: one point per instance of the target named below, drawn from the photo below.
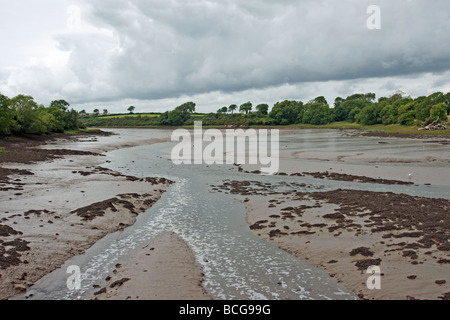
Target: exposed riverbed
(235, 262)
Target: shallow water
(236, 264)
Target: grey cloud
(166, 49)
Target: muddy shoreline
(164, 269)
(346, 231)
(56, 203)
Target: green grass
(3, 150)
(388, 129)
(151, 115)
(92, 130)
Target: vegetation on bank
(358, 111)
(21, 115)
(397, 114)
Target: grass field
(151, 115)
(388, 129)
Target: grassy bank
(395, 129)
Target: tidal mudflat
(340, 203)
(56, 202)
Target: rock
(20, 287)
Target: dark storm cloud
(168, 48)
(154, 49)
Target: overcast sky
(157, 54)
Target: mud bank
(346, 231)
(164, 269)
(56, 203)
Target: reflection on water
(236, 264)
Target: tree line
(22, 115)
(361, 108)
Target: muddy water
(236, 264)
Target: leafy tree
(50, 122)
(370, 97)
(96, 112)
(338, 101)
(246, 107)
(263, 109)
(287, 112)
(175, 118)
(320, 100)
(178, 116)
(447, 102)
(232, 108)
(7, 122)
(439, 111)
(353, 114)
(60, 104)
(342, 111)
(187, 108)
(406, 114)
(317, 113)
(131, 109)
(22, 115)
(223, 110)
(59, 109)
(105, 111)
(369, 115)
(28, 115)
(163, 119)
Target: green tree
(317, 113)
(178, 116)
(60, 104)
(232, 108)
(370, 97)
(7, 122)
(406, 114)
(263, 108)
(28, 115)
(96, 112)
(223, 110)
(287, 112)
(63, 117)
(338, 101)
(175, 118)
(131, 109)
(369, 115)
(342, 111)
(187, 108)
(353, 114)
(105, 111)
(246, 107)
(447, 102)
(320, 100)
(439, 112)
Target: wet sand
(165, 269)
(58, 207)
(56, 203)
(346, 231)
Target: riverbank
(56, 207)
(57, 202)
(344, 232)
(164, 269)
(382, 131)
